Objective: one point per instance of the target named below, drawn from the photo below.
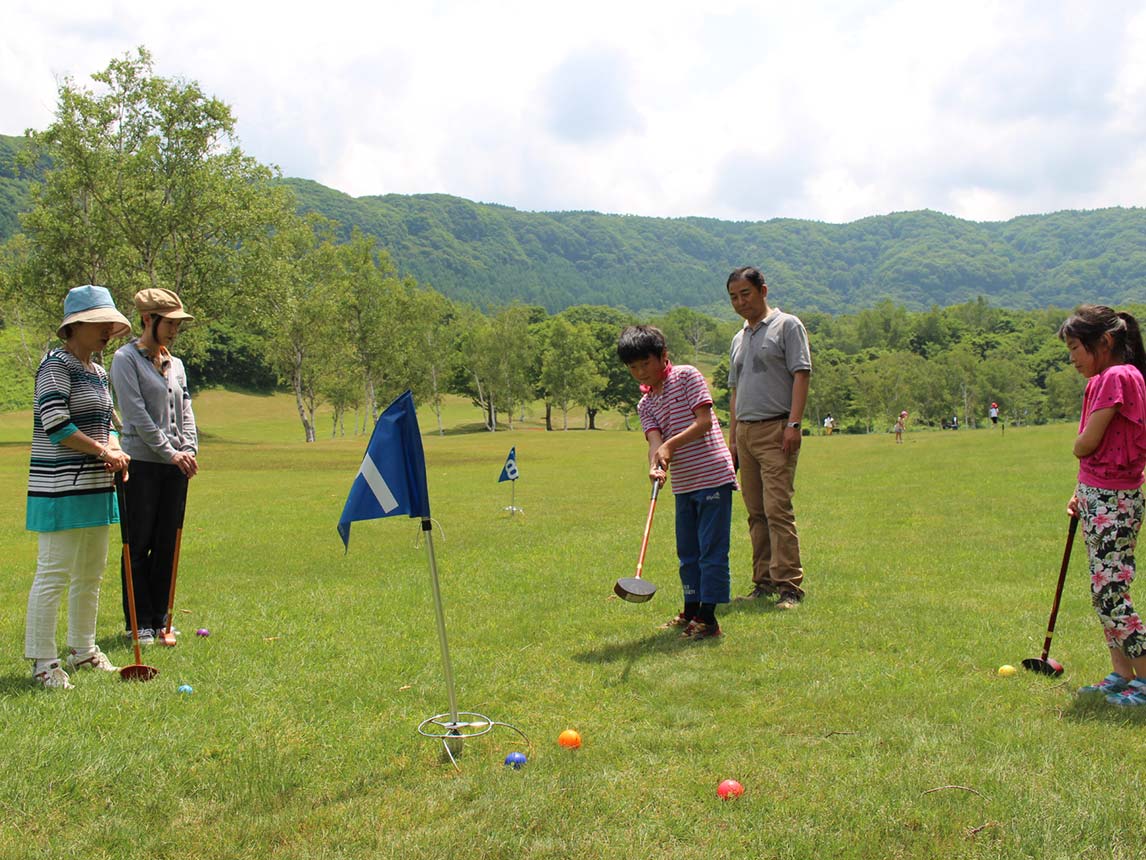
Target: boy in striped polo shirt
(682, 430)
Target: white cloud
(828, 110)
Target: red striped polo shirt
(701, 464)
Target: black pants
(156, 497)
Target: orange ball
(570, 739)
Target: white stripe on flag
(377, 485)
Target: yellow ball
(1007, 671)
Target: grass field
(869, 723)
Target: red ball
(730, 789)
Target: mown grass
(929, 564)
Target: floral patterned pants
(1110, 523)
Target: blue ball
(186, 688)
(515, 760)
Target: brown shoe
(789, 600)
(758, 592)
(697, 630)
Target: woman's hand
(1072, 506)
(187, 464)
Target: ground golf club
(1044, 665)
(633, 588)
(167, 636)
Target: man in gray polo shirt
(769, 369)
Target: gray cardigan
(157, 418)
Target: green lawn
(929, 565)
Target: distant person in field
(900, 420)
(71, 495)
(1106, 347)
(683, 432)
(829, 425)
(159, 433)
(993, 413)
(770, 366)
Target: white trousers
(73, 560)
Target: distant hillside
(13, 186)
(490, 254)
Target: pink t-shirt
(699, 465)
(1118, 461)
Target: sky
(831, 111)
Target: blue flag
(392, 478)
(509, 470)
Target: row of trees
(147, 186)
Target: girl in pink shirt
(1106, 347)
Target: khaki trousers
(767, 483)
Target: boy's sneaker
(788, 600)
(681, 620)
(146, 636)
(1132, 697)
(97, 660)
(53, 678)
(696, 630)
(1111, 684)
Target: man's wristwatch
(793, 424)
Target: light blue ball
(186, 688)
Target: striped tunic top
(67, 489)
(699, 465)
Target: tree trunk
(548, 415)
(296, 384)
(591, 414)
(437, 397)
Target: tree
(147, 188)
(568, 370)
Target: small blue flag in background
(509, 470)
(392, 478)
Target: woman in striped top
(71, 496)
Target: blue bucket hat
(89, 304)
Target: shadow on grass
(654, 645)
(13, 685)
(1095, 709)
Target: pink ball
(730, 789)
(202, 631)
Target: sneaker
(53, 678)
(1132, 697)
(696, 630)
(97, 660)
(146, 636)
(1111, 684)
(788, 600)
(758, 592)
(680, 620)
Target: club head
(1043, 667)
(137, 672)
(167, 639)
(634, 589)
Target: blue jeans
(703, 521)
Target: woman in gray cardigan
(159, 434)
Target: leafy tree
(568, 368)
(147, 188)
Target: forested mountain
(491, 255)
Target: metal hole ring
(475, 726)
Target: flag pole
(447, 668)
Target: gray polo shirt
(763, 362)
